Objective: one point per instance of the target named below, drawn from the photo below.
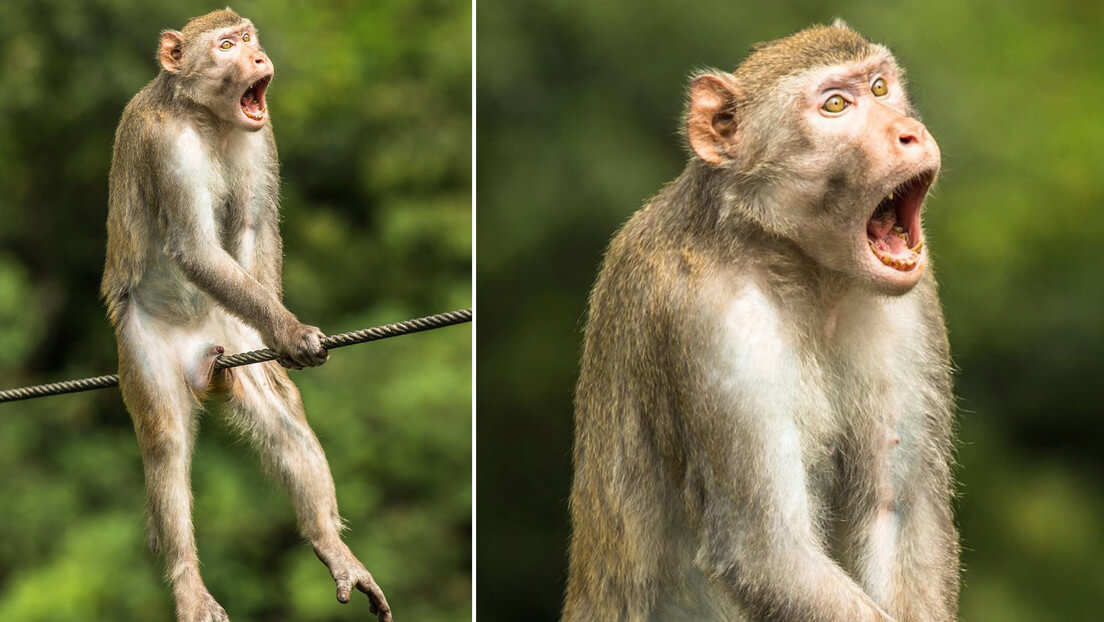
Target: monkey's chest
(237, 222)
(862, 441)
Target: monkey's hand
(299, 345)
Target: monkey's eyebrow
(856, 77)
(841, 81)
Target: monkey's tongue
(888, 239)
(885, 234)
(250, 104)
(892, 241)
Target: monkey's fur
(763, 431)
(193, 269)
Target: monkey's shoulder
(642, 258)
(157, 124)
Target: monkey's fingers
(313, 349)
(287, 363)
(313, 357)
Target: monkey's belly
(164, 348)
(164, 294)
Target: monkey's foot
(199, 606)
(348, 572)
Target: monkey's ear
(172, 51)
(711, 121)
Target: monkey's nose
(260, 59)
(912, 134)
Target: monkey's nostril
(908, 138)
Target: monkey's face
(877, 162)
(230, 75)
(828, 155)
(842, 167)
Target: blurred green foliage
(577, 125)
(372, 105)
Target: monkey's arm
(191, 240)
(758, 536)
(927, 570)
(926, 585)
(269, 246)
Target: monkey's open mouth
(893, 231)
(253, 100)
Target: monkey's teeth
(898, 263)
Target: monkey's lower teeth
(904, 263)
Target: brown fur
(758, 435)
(193, 266)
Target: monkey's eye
(879, 87)
(835, 103)
(226, 45)
(245, 37)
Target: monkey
(764, 409)
(193, 269)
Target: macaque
(763, 417)
(193, 270)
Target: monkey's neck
(706, 208)
(174, 96)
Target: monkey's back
(631, 554)
(132, 231)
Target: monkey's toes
(378, 602)
(206, 609)
(362, 580)
(349, 573)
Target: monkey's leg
(163, 408)
(265, 404)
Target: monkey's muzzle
(893, 231)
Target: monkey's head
(217, 62)
(816, 141)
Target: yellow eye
(835, 103)
(245, 37)
(226, 45)
(879, 87)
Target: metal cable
(375, 333)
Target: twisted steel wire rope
(375, 333)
